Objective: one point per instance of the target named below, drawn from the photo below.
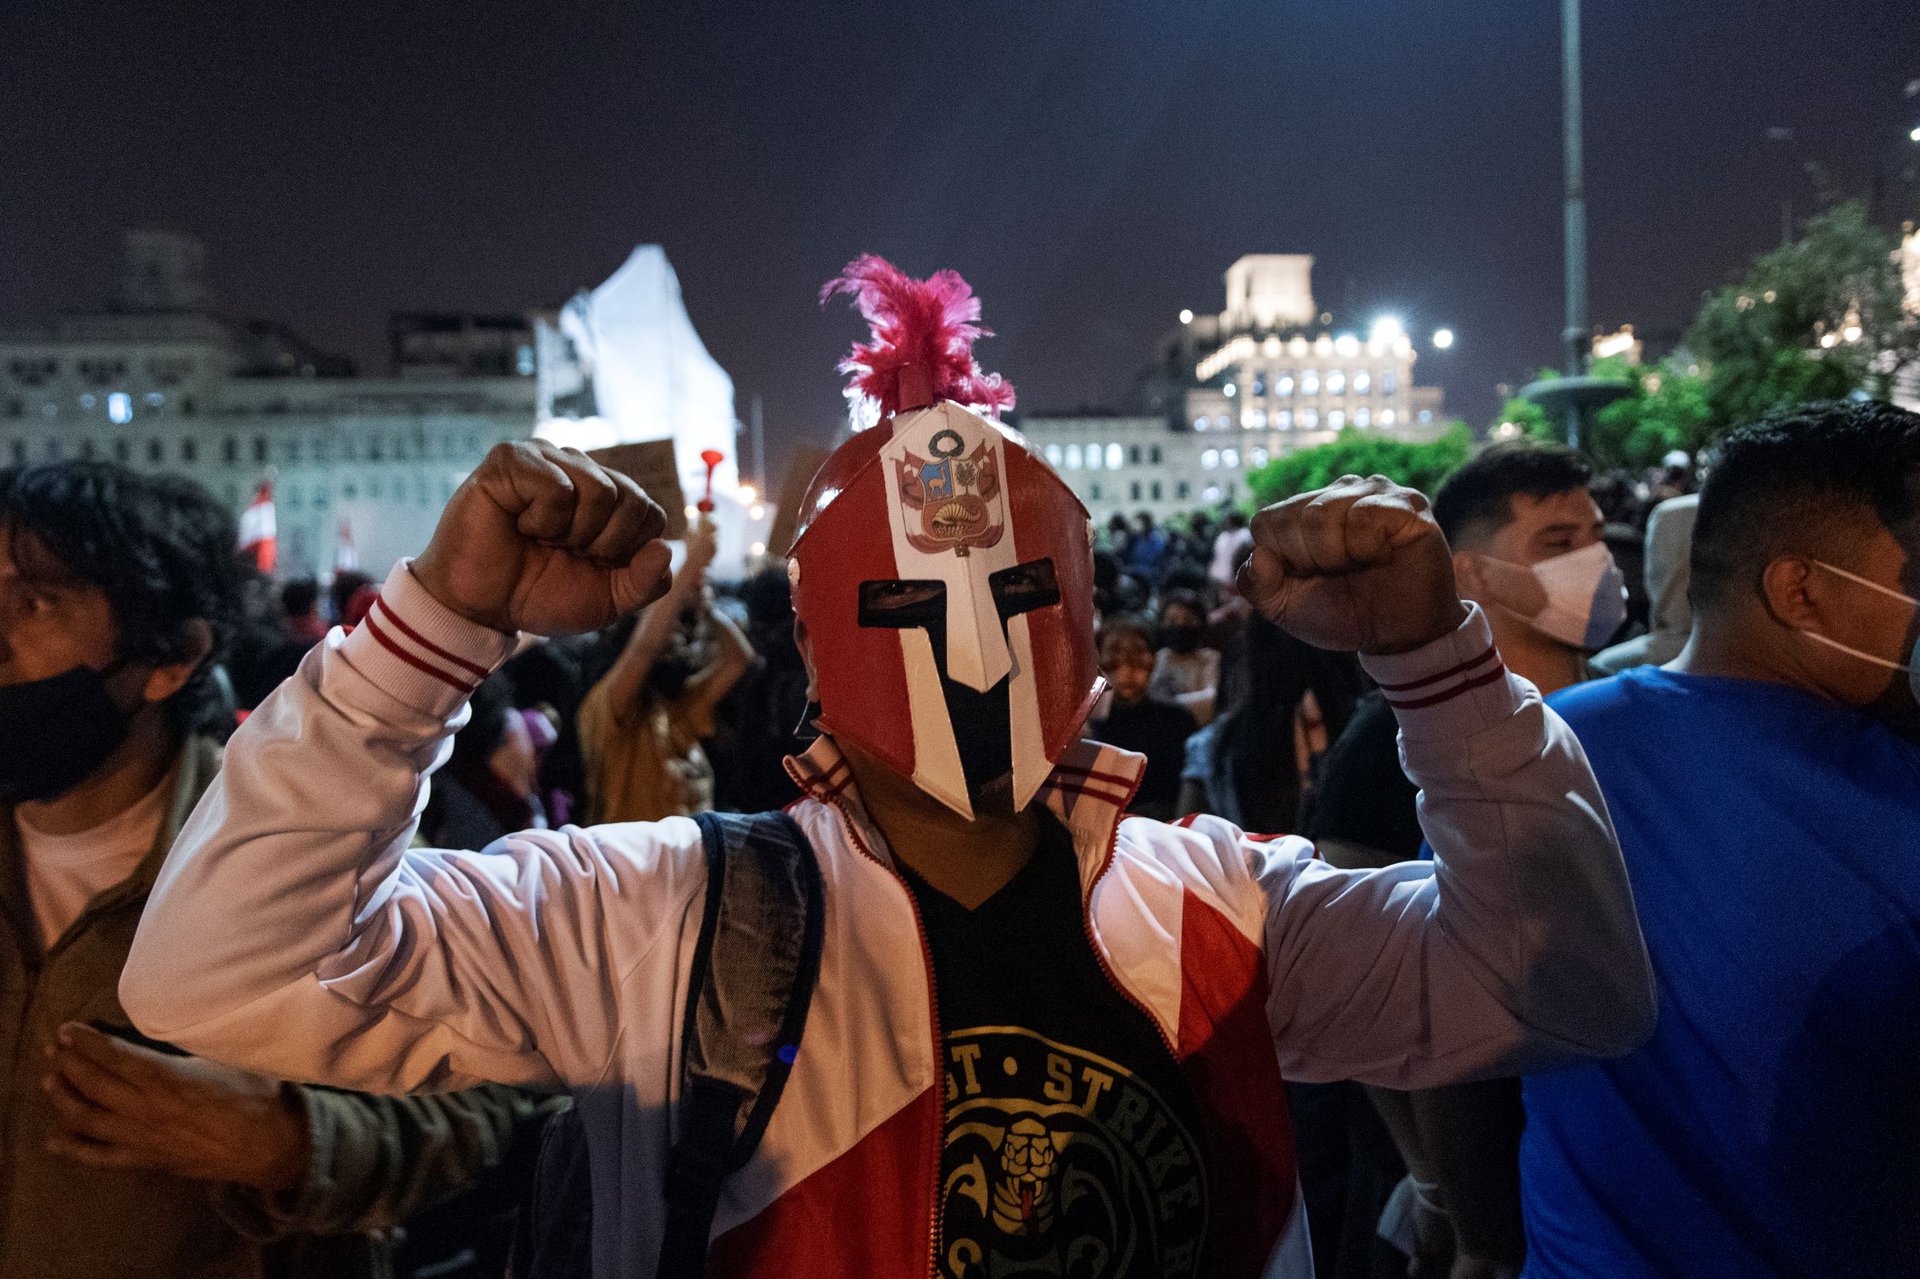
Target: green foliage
(1356, 452)
(1668, 410)
(1817, 319)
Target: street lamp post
(1576, 206)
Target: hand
(544, 539)
(119, 1105)
(703, 543)
(1358, 565)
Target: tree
(1356, 452)
(1667, 410)
(1817, 319)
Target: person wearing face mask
(642, 723)
(117, 592)
(1185, 670)
(1526, 541)
(1765, 785)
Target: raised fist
(1356, 566)
(545, 540)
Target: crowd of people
(1737, 664)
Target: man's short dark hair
(1476, 501)
(1800, 482)
(160, 548)
(298, 596)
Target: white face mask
(1586, 597)
(1912, 664)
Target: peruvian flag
(257, 530)
(345, 558)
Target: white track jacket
(294, 931)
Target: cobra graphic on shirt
(1059, 1162)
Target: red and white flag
(345, 558)
(257, 540)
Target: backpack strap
(752, 980)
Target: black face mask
(56, 732)
(1183, 637)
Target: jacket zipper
(939, 1044)
(1099, 952)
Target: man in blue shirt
(1766, 789)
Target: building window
(259, 448)
(1053, 454)
(1336, 420)
(1257, 457)
(1156, 490)
(88, 400)
(186, 405)
(153, 451)
(1363, 417)
(19, 452)
(1336, 382)
(122, 450)
(1093, 492)
(1199, 424)
(1309, 383)
(1211, 493)
(1386, 417)
(1116, 456)
(1073, 457)
(1230, 458)
(1133, 454)
(1284, 387)
(1094, 456)
(1182, 490)
(1309, 419)
(189, 451)
(1153, 455)
(86, 450)
(230, 450)
(1259, 384)
(1209, 458)
(1388, 383)
(1284, 419)
(1426, 415)
(292, 492)
(154, 399)
(1361, 380)
(1136, 490)
(53, 450)
(15, 408)
(1255, 420)
(348, 491)
(119, 408)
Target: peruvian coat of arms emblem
(952, 495)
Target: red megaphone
(713, 458)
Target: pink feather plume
(930, 323)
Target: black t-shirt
(1073, 1143)
(1158, 730)
(1363, 797)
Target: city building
(1230, 391)
(158, 380)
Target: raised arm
(626, 680)
(293, 931)
(1518, 946)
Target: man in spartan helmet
(999, 941)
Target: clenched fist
(545, 540)
(1356, 566)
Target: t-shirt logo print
(1059, 1162)
(953, 495)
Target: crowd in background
(696, 702)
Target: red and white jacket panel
(294, 931)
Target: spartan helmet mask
(943, 572)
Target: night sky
(1091, 168)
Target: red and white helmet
(943, 572)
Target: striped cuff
(419, 650)
(1452, 687)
